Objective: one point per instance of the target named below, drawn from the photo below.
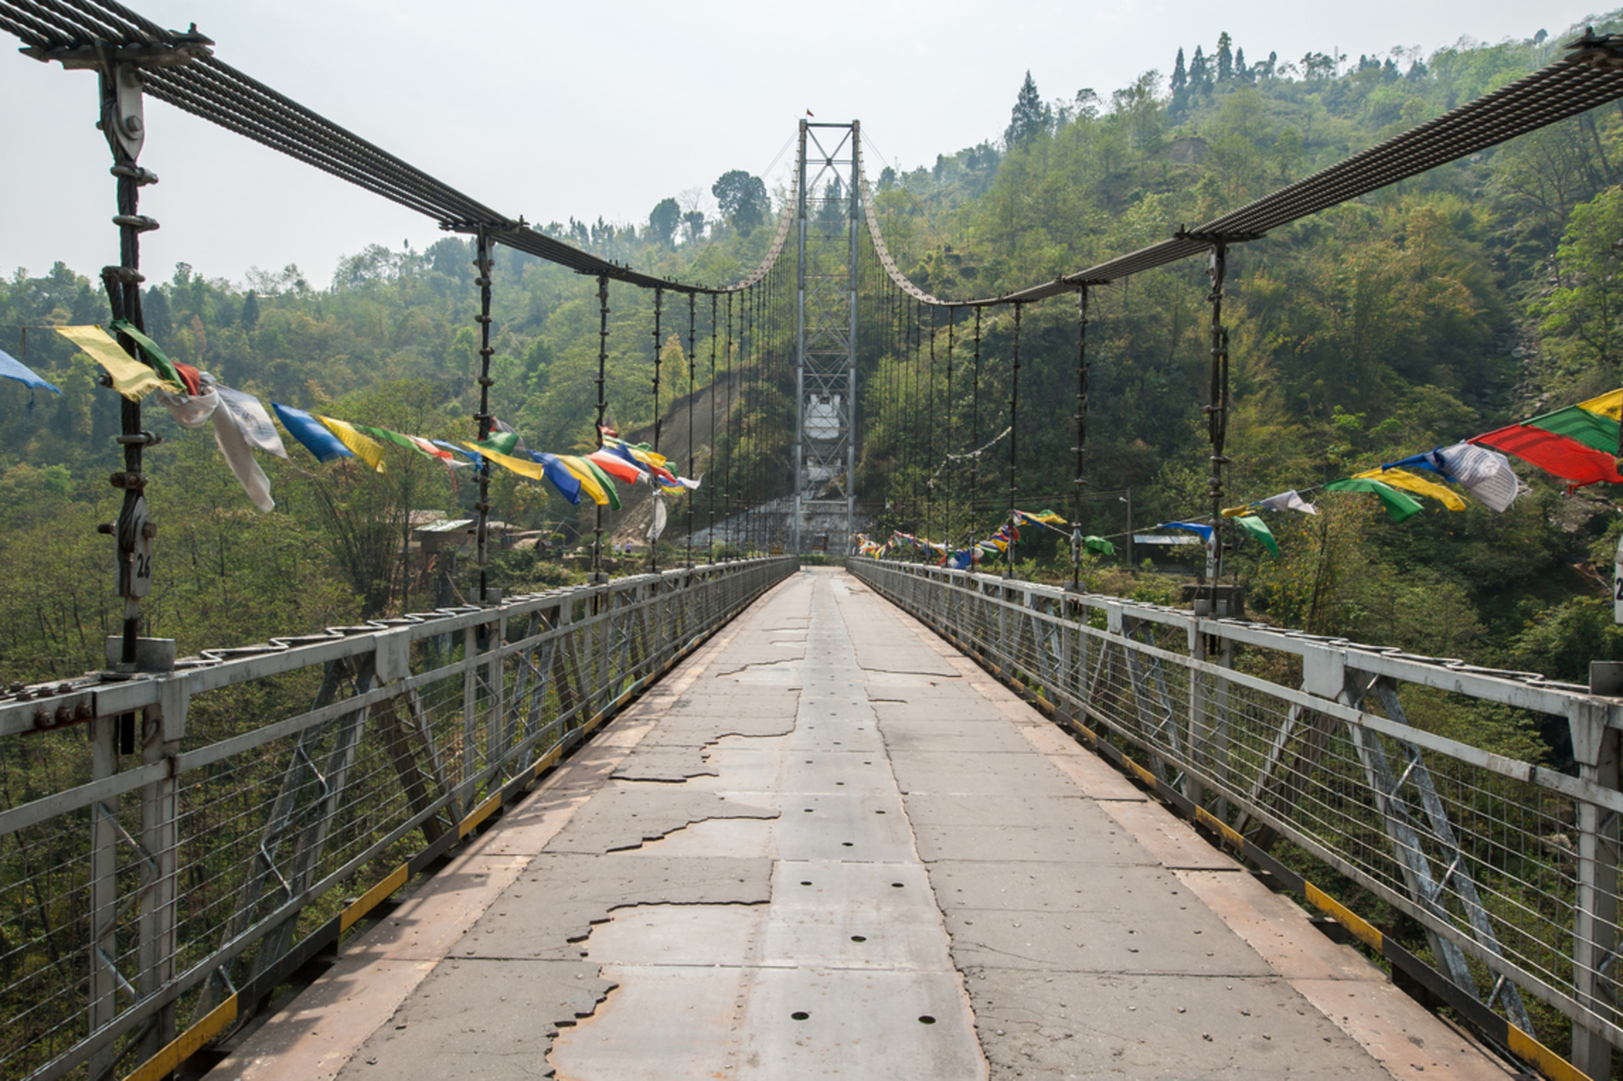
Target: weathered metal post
(1078, 484)
(850, 412)
(1217, 411)
(653, 542)
(483, 419)
(122, 123)
(975, 438)
(692, 431)
(598, 577)
(1014, 439)
(800, 341)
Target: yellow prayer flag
(1238, 512)
(522, 466)
(363, 447)
(583, 472)
(536, 471)
(130, 377)
(1413, 482)
(1607, 405)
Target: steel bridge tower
(826, 336)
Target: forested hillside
(1478, 294)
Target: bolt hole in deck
(800, 1015)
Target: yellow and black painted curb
(1496, 1029)
(326, 937)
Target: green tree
(1029, 118)
(743, 200)
(1200, 73)
(1585, 311)
(663, 220)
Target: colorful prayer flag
(1257, 528)
(1204, 531)
(613, 464)
(367, 450)
(252, 420)
(311, 433)
(131, 378)
(155, 358)
(1398, 505)
(1413, 482)
(12, 368)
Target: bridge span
(828, 844)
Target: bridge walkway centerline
(830, 845)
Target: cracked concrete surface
(829, 845)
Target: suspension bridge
(746, 819)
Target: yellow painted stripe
(1089, 734)
(1549, 1063)
(1145, 775)
(1228, 832)
(546, 762)
(1343, 915)
(187, 1044)
(485, 810)
(372, 898)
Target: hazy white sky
(549, 109)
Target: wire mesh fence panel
(179, 841)
(1507, 868)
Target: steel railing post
(103, 945)
(1594, 934)
(160, 839)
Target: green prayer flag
(1398, 505)
(1258, 529)
(155, 356)
(604, 479)
(500, 442)
(1592, 430)
(389, 437)
(1098, 546)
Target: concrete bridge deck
(828, 845)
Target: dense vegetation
(1434, 310)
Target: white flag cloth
(657, 526)
(1288, 501)
(191, 410)
(253, 423)
(1485, 473)
(238, 454)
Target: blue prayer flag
(557, 474)
(314, 435)
(1205, 531)
(12, 368)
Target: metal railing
(175, 845)
(1509, 868)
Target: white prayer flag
(253, 423)
(657, 526)
(1288, 501)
